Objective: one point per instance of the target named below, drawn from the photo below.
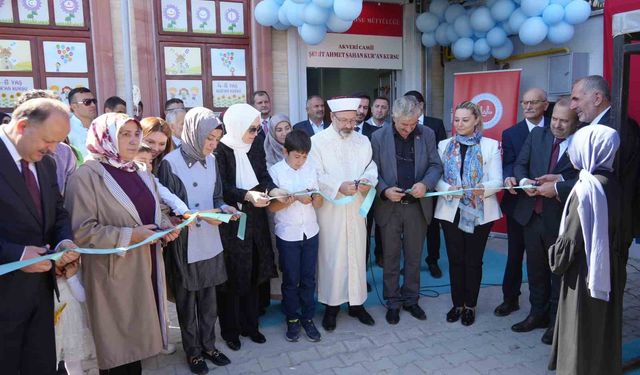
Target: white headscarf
(237, 119)
(593, 148)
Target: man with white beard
(345, 168)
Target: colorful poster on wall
(203, 16)
(34, 12)
(65, 57)
(231, 18)
(182, 61)
(15, 55)
(226, 93)
(227, 62)
(11, 88)
(68, 13)
(62, 85)
(190, 91)
(174, 15)
(6, 11)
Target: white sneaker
(170, 349)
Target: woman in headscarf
(588, 254)
(249, 262)
(195, 264)
(470, 161)
(279, 127)
(156, 134)
(114, 204)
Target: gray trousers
(403, 235)
(197, 314)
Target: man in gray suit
(408, 166)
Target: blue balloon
(441, 34)
(481, 47)
(516, 20)
(533, 8)
(481, 20)
(323, 3)
(490, 3)
(282, 14)
(496, 37)
(553, 14)
(502, 9)
(577, 11)
(429, 40)
(453, 12)
(299, 1)
(560, 33)
(347, 10)
(463, 48)
(279, 2)
(561, 2)
(266, 12)
(312, 34)
(480, 58)
(533, 31)
(479, 35)
(505, 26)
(503, 51)
(427, 22)
(438, 7)
(451, 33)
(281, 27)
(463, 27)
(295, 14)
(338, 25)
(315, 15)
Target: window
(44, 45)
(204, 52)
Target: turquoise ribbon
(363, 210)
(461, 191)
(225, 218)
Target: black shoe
(310, 329)
(506, 308)
(362, 315)
(257, 337)
(329, 318)
(197, 365)
(416, 311)
(217, 357)
(393, 316)
(233, 344)
(547, 338)
(454, 314)
(379, 262)
(368, 288)
(468, 317)
(530, 323)
(293, 330)
(435, 270)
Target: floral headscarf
(102, 140)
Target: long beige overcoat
(126, 323)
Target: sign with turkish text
(374, 41)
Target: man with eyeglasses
(534, 104)
(345, 168)
(409, 165)
(84, 109)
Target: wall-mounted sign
(69, 13)
(231, 18)
(227, 62)
(190, 91)
(182, 61)
(62, 85)
(203, 16)
(174, 15)
(35, 12)
(15, 55)
(6, 12)
(67, 57)
(373, 42)
(11, 88)
(226, 93)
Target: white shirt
(78, 135)
(176, 141)
(297, 220)
(599, 117)
(564, 145)
(16, 156)
(316, 128)
(360, 126)
(531, 125)
(384, 122)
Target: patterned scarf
(102, 140)
(471, 210)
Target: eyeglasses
(87, 102)
(253, 129)
(346, 121)
(531, 102)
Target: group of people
(75, 179)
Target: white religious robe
(342, 275)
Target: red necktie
(555, 152)
(32, 186)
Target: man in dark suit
(315, 116)
(34, 224)
(534, 104)
(544, 152)
(407, 158)
(433, 233)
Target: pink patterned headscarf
(102, 140)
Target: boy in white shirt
(296, 230)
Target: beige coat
(120, 299)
